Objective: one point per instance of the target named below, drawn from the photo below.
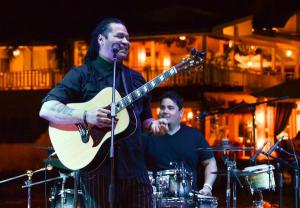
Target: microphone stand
(295, 175)
(252, 110)
(29, 174)
(111, 193)
(280, 162)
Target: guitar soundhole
(97, 134)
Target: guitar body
(78, 150)
(75, 153)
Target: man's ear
(181, 112)
(100, 40)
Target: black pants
(132, 193)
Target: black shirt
(179, 147)
(81, 84)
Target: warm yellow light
(260, 142)
(190, 115)
(157, 110)
(16, 52)
(141, 56)
(275, 29)
(288, 53)
(182, 37)
(260, 117)
(167, 62)
(230, 44)
(249, 63)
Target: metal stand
(296, 188)
(280, 184)
(231, 166)
(111, 193)
(28, 183)
(260, 202)
(76, 180)
(29, 174)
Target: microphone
(116, 47)
(275, 146)
(49, 167)
(253, 158)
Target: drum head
(259, 168)
(167, 172)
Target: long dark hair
(102, 28)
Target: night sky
(64, 19)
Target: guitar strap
(127, 81)
(126, 76)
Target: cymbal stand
(62, 191)
(260, 202)
(29, 174)
(231, 166)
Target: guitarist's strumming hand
(99, 118)
(159, 127)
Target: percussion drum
(172, 202)
(173, 183)
(55, 199)
(201, 201)
(262, 178)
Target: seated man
(179, 145)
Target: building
(240, 60)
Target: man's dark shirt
(81, 84)
(179, 147)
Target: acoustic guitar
(81, 147)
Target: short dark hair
(175, 97)
(102, 28)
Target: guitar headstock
(196, 59)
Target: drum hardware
(294, 166)
(198, 200)
(231, 168)
(224, 147)
(261, 179)
(56, 202)
(28, 183)
(55, 163)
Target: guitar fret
(145, 88)
(153, 83)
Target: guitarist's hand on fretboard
(159, 127)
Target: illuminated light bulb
(288, 53)
(190, 115)
(16, 52)
(182, 37)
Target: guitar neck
(143, 90)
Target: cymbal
(55, 163)
(237, 172)
(225, 148)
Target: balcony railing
(213, 76)
(29, 80)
